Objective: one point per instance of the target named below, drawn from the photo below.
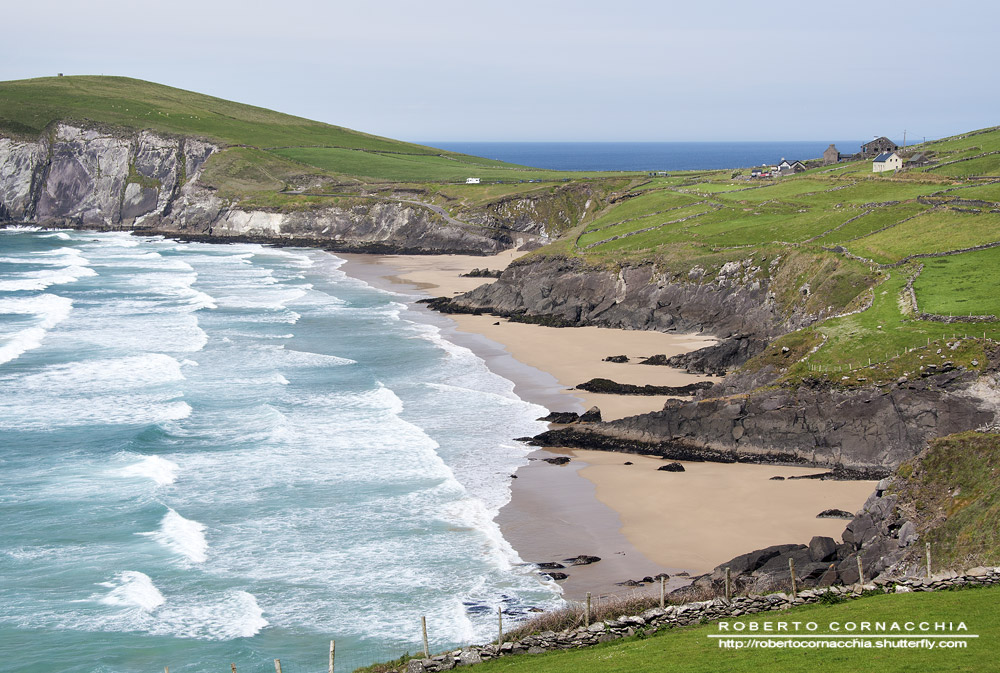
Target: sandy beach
(639, 520)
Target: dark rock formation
(591, 415)
(713, 360)
(550, 566)
(671, 467)
(834, 514)
(860, 432)
(482, 273)
(735, 301)
(614, 388)
(559, 460)
(561, 417)
(582, 560)
(619, 359)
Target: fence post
(861, 572)
(791, 571)
(500, 625)
(586, 612)
(729, 584)
(928, 559)
(423, 627)
(277, 666)
(333, 650)
(663, 592)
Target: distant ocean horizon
(646, 156)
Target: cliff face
(92, 178)
(867, 431)
(634, 298)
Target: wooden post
(423, 627)
(861, 572)
(333, 650)
(277, 666)
(663, 592)
(928, 559)
(586, 613)
(729, 584)
(791, 571)
(500, 625)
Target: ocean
(234, 453)
(636, 156)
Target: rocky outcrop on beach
(567, 291)
(99, 178)
(862, 431)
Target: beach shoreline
(639, 520)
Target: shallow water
(231, 453)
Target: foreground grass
(690, 650)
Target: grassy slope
(28, 107)
(690, 650)
(709, 219)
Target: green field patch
(960, 284)
(642, 206)
(709, 188)
(659, 220)
(988, 165)
(986, 192)
(730, 228)
(870, 190)
(933, 231)
(783, 190)
(986, 141)
(875, 220)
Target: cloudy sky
(547, 69)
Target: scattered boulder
(591, 415)
(582, 560)
(671, 467)
(822, 549)
(834, 514)
(555, 576)
(561, 417)
(627, 462)
(616, 358)
(558, 460)
(550, 565)
(777, 478)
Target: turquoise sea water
(231, 453)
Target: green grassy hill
(283, 145)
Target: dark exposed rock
(777, 478)
(561, 417)
(616, 358)
(715, 359)
(582, 560)
(863, 432)
(627, 462)
(555, 576)
(671, 467)
(559, 460)
(834, 514)
(822, 549)
(591, 415)
(482, 273)
(611, 387)
(551, 565)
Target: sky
(547, 70)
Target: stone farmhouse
(878, 146)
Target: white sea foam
(133, 589)
(101, 376)
(234, 614)
(61, 235)
(182, 536)
(50, 308)
(39, 280)
(160, 470)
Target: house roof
(885, 156)
(883, 139)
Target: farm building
(878, 146)
(831, 155)
(787, 167)
(887, 161)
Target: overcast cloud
(546, 70)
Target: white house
(887, 161)
(472, 181)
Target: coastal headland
(830, 319)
